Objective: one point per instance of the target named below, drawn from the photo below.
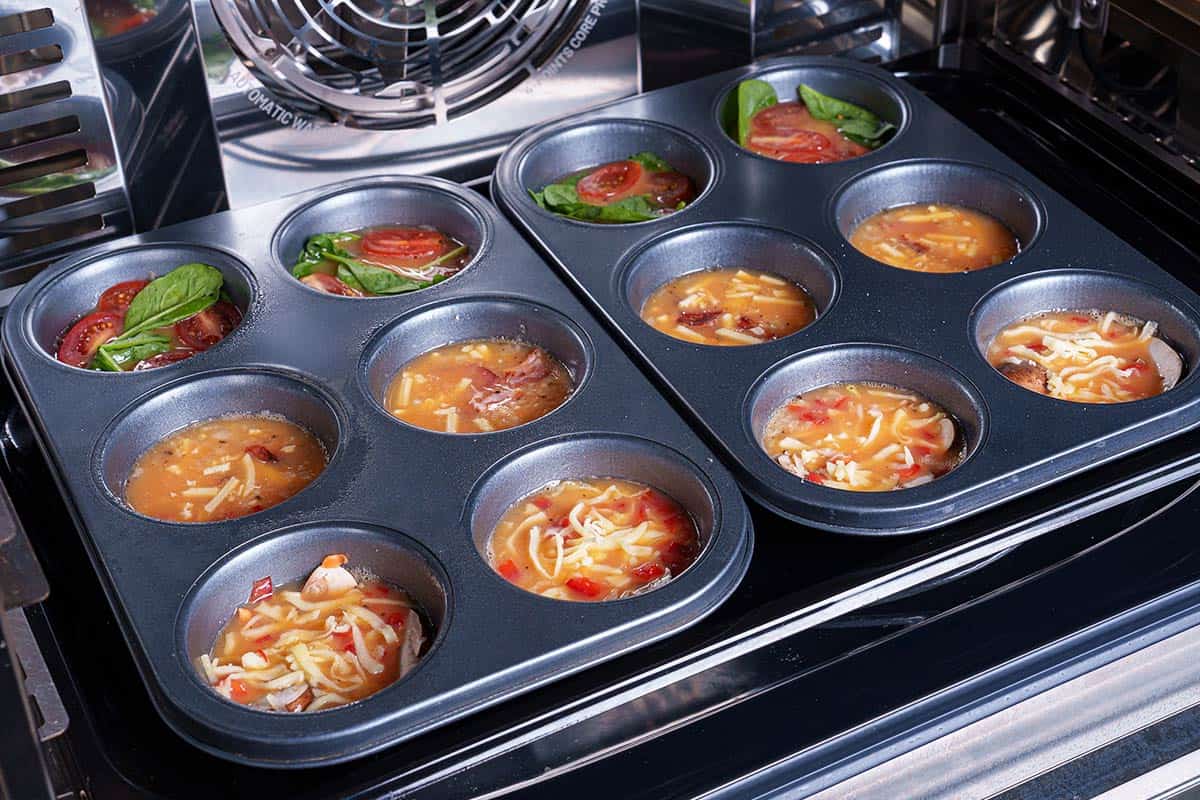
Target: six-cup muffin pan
(925, 332)
(415, 506)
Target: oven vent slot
(61, 185)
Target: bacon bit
(262, 589)
(509, 570)
(585, 586)
(815, 477)
(533, 368)
(481, 377)
(334, 560)
(914, 246)
(678, 555)
(648, 572)
(301, 702)
(260, 453)
(696, 318)
(745, 323)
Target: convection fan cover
(395, 63)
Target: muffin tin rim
(1024, 249)
(755, 71)
(328, 399)
(1159, 294)
(420, 182)
(481, 482)
(110, 249)
(627, 265)
(372, 529)
(370, 352)
(567, 124)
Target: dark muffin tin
(926, 332)
(413, 505)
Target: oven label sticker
(573, 45)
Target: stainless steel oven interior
(122, 116)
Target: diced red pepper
(815, 477)
(262, 589)
(585, 586)
(910, 472)
(1038, 347)
(238, 690)
(649, 571)
(509, 570)
(804, 413)
(541, 501)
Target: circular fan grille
(395, 63)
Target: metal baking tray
(414, 505)
(926, 332)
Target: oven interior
(835, 650)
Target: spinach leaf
(651, 162)
(559, 194)
(357, 274)
(119, 354)
(854, 122)
(179, 294)
(347, 277)
(752, 96)
(317, 249)
(379, 280)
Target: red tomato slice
(329, 284)
(201, 331)
(118, 297)
(585, 586)
(420, 245)
(163, 359)
(609, 183)
(85, 337)
(669, 189)
(788, 132)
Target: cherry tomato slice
(609, 183)
(669, 189)
(329, 284)
(118, 297)
(419, 245)
(163, 359)
(201, 331)
(85, 337)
